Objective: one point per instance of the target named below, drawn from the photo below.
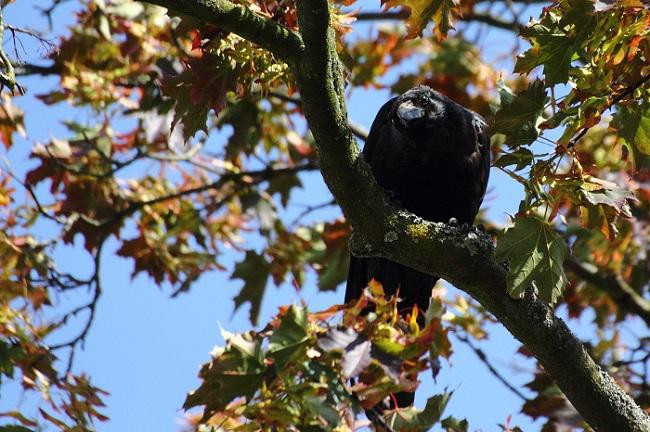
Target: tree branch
(481, 355)
(8, 77)
(258, 176)
(34, 69)
(615, 286)
(91, 306)
(482, 17)
(464, 259)
(493, 21)
(279, 40)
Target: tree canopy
(202, 118)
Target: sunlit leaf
(421, 11)
(414, 420)
(288, 339)
(535, 253)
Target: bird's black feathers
(432, 157)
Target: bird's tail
(358, 278)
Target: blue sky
(145, 348)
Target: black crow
(432, 157)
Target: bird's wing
(483, 142)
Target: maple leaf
(552, 45)
(254, 271)
(421, 11)
(236, 371)
(601, 192)
(201, 87)
(290, 337)
(633, 124)
(414, 420)
(519, 114)
(535, 253)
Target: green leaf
(290, 336)
(331, 257)
(642, 136)
(254, 271)
(521, 158)
(454, 425)
(244, 117)
(336, 272)
(441, 11)
(519, 115)
(320, 406)
(633, 125)
(282, 185)
(237, 370)
(554, 41)
(414, 420)
(260, 207)
(535, 253)
(555, 52)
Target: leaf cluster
(319, 371)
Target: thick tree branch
(279, 40)
(464, 259)
(614, 286)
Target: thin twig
(7, 78)
(310, 209)
(628, 91)
(484, 18)
(43, 40)
(614, 285)
(259, 176)
(39, 206)
(91, 307)
(481, 355)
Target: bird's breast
(436, 187)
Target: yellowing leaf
(11, 121)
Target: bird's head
(432, 121)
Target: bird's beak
(408, 112)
